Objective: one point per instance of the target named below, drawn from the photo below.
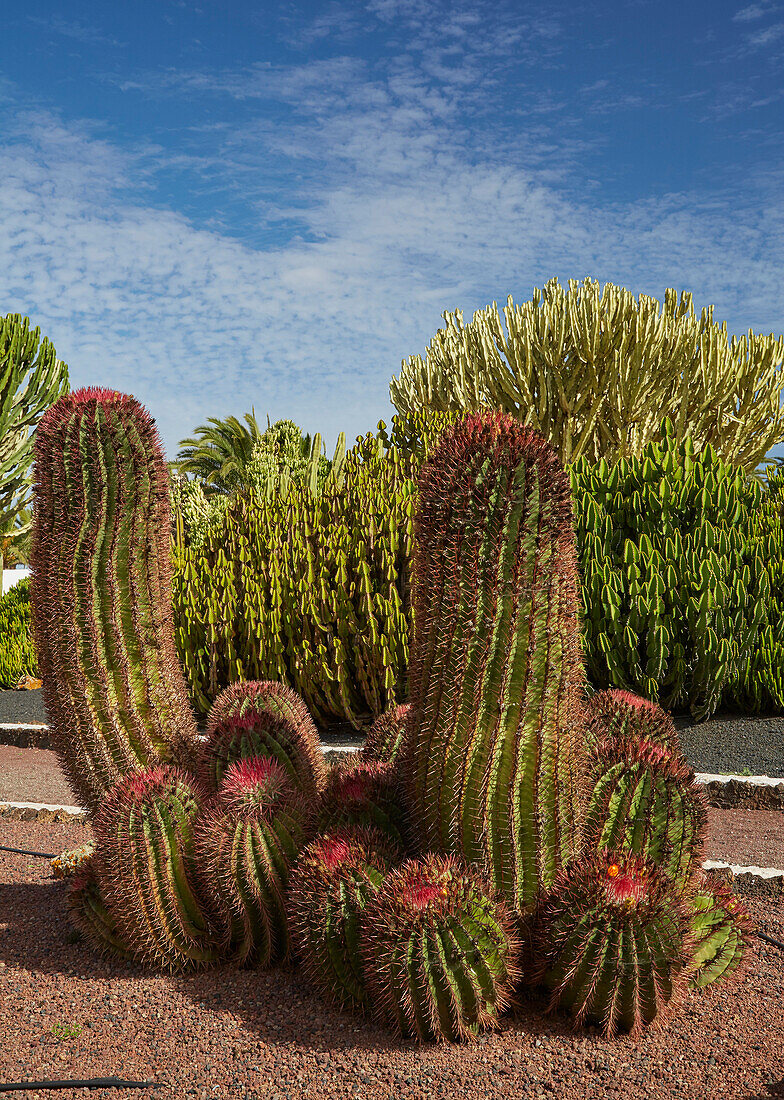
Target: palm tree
(219, 452)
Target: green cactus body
(440, 951)
(101, 602)
(331, 885)
(88, 913)
(493, 766)
(364, 792)
(246, 843)
(385, 737)
(612, 937)
(147, 871)
(646, 803)
(721, 931)
(617, 713)
(261, 718)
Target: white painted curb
(758, 872)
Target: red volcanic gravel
(751, 838)
(227, 1033)
(33, 775)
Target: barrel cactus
(493, 762)
(440, 951)
(246, 842)
(385, 737)
(613, 935)
(89, 915)
(262, 718)
(115, 696)
(332, 882)
(363, 792)
(646, 803)
(147, 871)
(617, 713)
(721, 930)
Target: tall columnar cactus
(261, 718)
(332, 882)
(88, 913)
(385, 737)
(617, 713)
(613, 936)
(246, 842)
(147, 871)
(646, 803)
(496, 676)
(101, 600)
(364, 792)
(440, 951)
(721, 931)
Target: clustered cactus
(497, 830)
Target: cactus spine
(616, 713)
(101, 602)
(496, 675)
(261, 718)
(331, 885)
(88, 913)
(364, 792)
(147, 871)
(440, 951)
(721, 930)
(646, 803)
(385, 737)
(245, 844)
(613, 934)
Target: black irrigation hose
(27, 852)
(91, 1083)
(769, 939)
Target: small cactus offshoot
(440, 951)
(247, 840)
(646, 803)
(721, 929)
(331, 884)
(363, 792)
(617, 713)
(262, 718)
(385, 737)
(612, 938)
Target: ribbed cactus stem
(331, 885)
(496, 676)
(646, 802)
(385, 737)
(88, 913)
(262, 718)
(246, 843)
(440, 951)
(146, 867)
(364, 792)
(613, 936)
(101, 600)
(721, 933)
(616, 713)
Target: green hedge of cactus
(675, 584)
(17, 653)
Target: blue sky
(272, 207)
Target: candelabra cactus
(147, 871)
(385, 737)
(115, 696)
(646, 803)
(721, 930)
(332, 882)
(262, 718)
(440, 950)
(496, 677)
(245, 843)
(363, 792)
(88, 913)
(616, 713)
(612, 937)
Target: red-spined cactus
(496, 679)
(146, 868)
(263, 718)
(440, 951)
(646, 802)
(115, 696)
(88, 913)
(612, 938)
(363, 792)
(332, 882)
(721, 933)
(246, 842)
(616, 713)
(385, 737)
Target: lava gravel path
(227, 1033)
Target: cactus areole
(496, 676)
(101, 598)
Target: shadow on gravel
(774, 1089)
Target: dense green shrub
(17, 656)
(674, 581)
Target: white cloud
(752, 12)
